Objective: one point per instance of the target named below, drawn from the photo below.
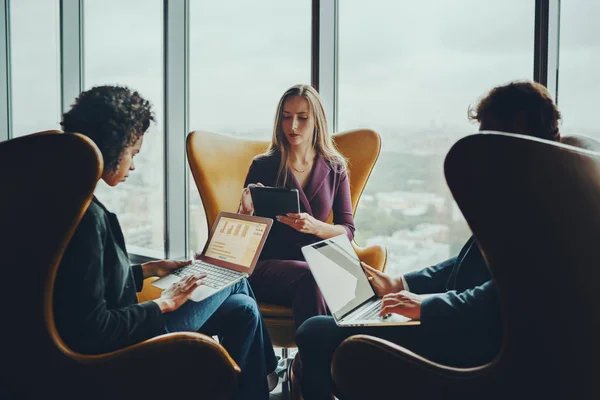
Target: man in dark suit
(460, 318)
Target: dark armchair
(534, 209)
(46, 184)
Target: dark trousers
(288, 283)
(233, 315)
(317, 339)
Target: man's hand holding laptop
(394, 298)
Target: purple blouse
(327, 189)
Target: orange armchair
(534, 209)
(219, 165)
(46, 184)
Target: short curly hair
(114, 117)
(503, 103)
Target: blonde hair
(322, 141)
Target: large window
(410, 70)
(35, 65)
(240, 64)
(579, 80)
(124, 46)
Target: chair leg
(284, 368)
(282, 365)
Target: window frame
(324, 72)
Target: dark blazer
(95, 302)
(327, 189)
(468, 311)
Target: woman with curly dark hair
(95, 303)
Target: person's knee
(316, 332)
(242, 287)
(245, 310)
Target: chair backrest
(581, 141)
(46, 132)
(534, 209)
(219, 164)
(46, 183)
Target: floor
(279, 393)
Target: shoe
(272, 380)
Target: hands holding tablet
(268, 201)
(246, 206)
(302, 222)
(283, 205)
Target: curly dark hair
(503, 103)
(114, 117)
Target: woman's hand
(178, 293)
(162, 267)
(302, 222)
(246, 206)
(403, 303)
(382, 284)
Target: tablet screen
(271, 201)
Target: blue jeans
(233, 315)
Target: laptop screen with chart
(236, 241)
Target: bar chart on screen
(236, 241)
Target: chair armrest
(375, 255)
(149, 292)
(168, 366)
(366, 367)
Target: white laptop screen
(236, 241)
(338, 273)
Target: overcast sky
(402, 64)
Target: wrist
(398, 284)
(321, 229)
(242, 210)
(165, 305)
(148, 269)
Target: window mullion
(71, 49)
(176, 100)
(553, 46)
(5, 112)
(327, 73)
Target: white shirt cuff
(404, 284)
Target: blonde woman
(302, 156)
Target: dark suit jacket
(327, 189)
(95, 302)
(468, 311)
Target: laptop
(230, 254)
(345, 286)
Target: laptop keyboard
(373, 313)
(216, 277)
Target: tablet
(272, 201)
